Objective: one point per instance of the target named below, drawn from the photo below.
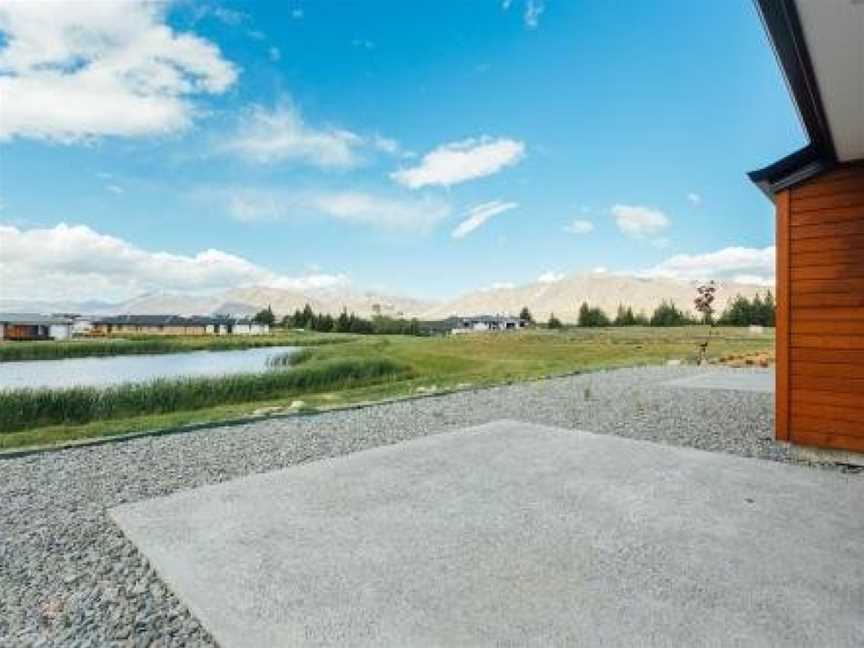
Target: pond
(113, 370)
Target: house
(28, 326)
(479, 323)
(818, 193)
(227, 325)
(177, 325)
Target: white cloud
(117, 190)
(93, 69)
(551, 277)
(281, 135)
(580, 227)
(638, 221)
(362, 208)
(253, 204)
(533, 10)
(456, 162)
(363, 44)
(75, 262)
(600, 270)
(296, 14)
(747, 265)
(274, 54)
(478, 215)
(694, 198)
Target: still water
(112, 370)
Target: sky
(423, 148)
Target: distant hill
(564, 297)
(543, 298)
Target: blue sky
(422, 148)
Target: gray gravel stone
(69, 578)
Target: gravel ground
(69, 578)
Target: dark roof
(781, 21)
(32, 319)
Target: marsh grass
(27, 408)
(134, 345)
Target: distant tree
(704, 304)
(624, 317)
(769, 310)
(554, 322)
(743, 312)
(343, 322)
(667, 314)
(584, 314)
(739, 312)
(592, 316)
(265, 316)
(525, 314)
(302, 319)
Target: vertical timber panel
(781, 375)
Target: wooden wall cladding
(820, 304)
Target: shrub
(667, 314)
(28, 408)
(592, 316)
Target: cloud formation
(281, 134)
(414, 214)
(75, 262)
(478, 215)
(738, 264)
(457, 162)
(533, 10)
(551, 277)
(637, 221)
(694, 198)
(579, 226)
(100, 69)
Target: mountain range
(562, 297)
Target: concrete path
(514, 534)
(750, 380)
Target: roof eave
(783, 26)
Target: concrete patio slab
(748, 380)
(512, 534)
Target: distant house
(28, 326)
(177, 325)
(480, 323)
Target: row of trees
(347, 322)
(740, 312)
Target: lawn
(433, 365)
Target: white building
(480, 323)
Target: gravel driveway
(68, 577)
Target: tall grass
(30, 408)
(17, 351)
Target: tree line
(345, 322)
(739, 312)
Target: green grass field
(426, 365)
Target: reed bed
(29, 408)
(18, 351)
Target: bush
(554, 322)
(592, 316)
(667, 314)
(29, 408)
(743, 312)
